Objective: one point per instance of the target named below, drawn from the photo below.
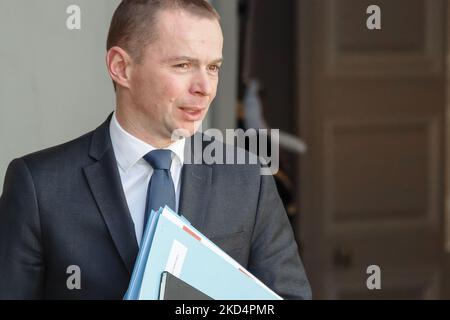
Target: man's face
(176, 81)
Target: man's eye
(183, 66)
(214, 68)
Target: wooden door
(372, 105)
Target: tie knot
(159, 159)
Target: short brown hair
(133, 23)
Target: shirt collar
(129, 150)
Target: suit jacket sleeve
(21, 254)
(274, 256)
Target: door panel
(372, 109)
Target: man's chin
(186, 131)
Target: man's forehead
(190, 38)
(181, 22)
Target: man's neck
(136, 129)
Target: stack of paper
(170, 243)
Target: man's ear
(118, 62)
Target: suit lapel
(196, 180)
(194, 196)
(106, 187)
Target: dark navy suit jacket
(65, 206)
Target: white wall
(53, 81)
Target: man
(83, 205)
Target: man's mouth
(192, 113)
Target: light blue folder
(219, 277)
(134, 287)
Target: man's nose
(202, 84)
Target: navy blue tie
(161, 191)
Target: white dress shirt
(135, 172)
